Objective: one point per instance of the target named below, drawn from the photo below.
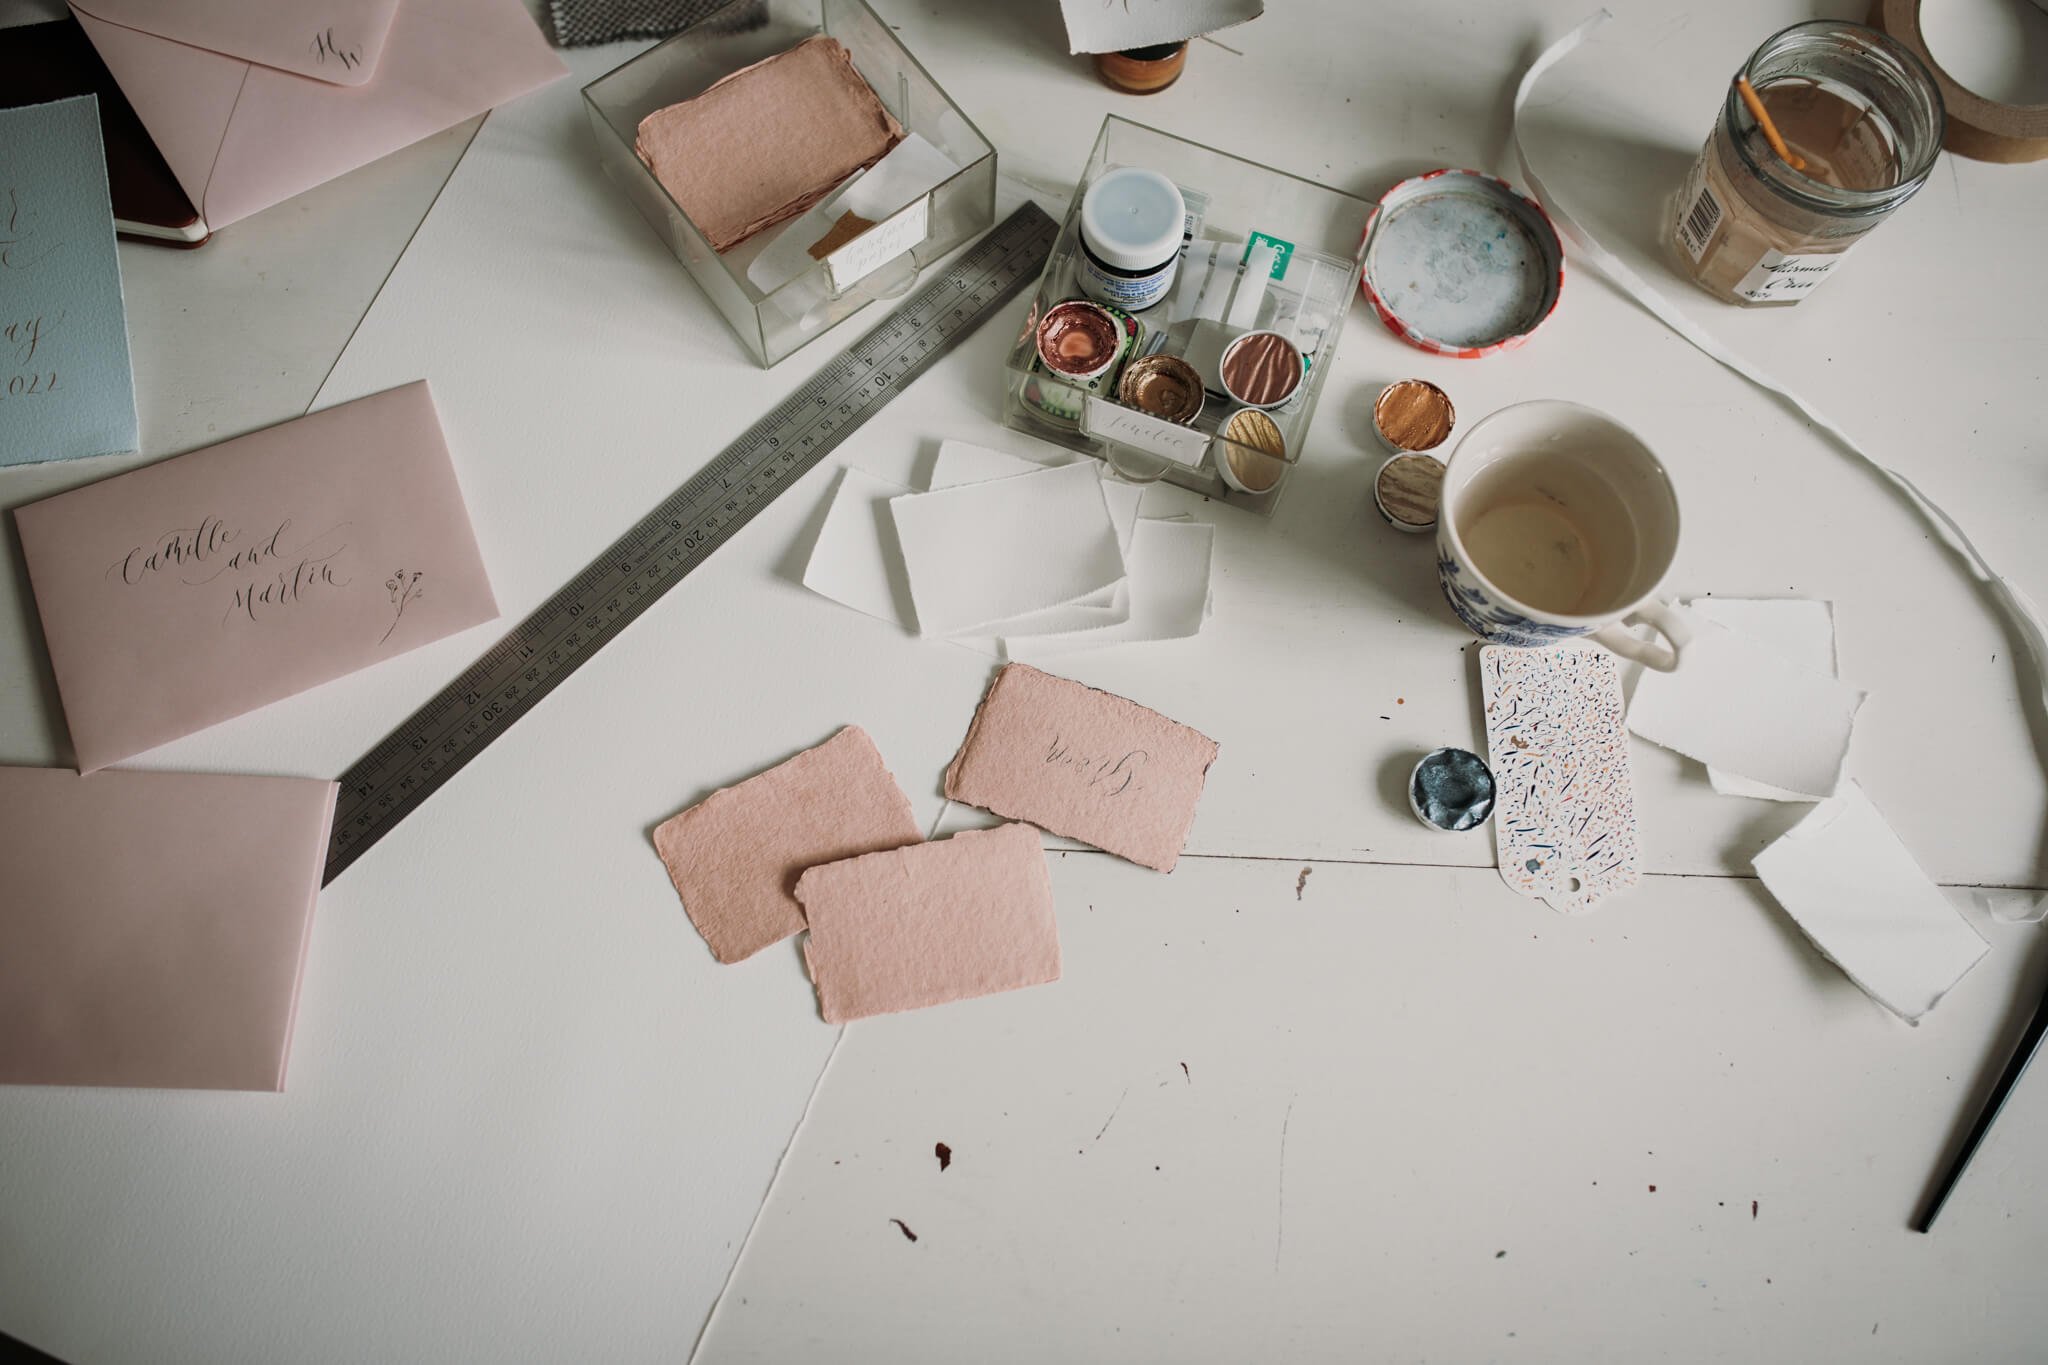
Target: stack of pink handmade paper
(826, 842)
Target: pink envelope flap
(241, 136)
(337, 41)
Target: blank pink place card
(735, 856)
(1083, 763)
(190, 591)
(930, 923)
(153, 926)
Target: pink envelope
(153, 926)
(190, 591)
(254, 101)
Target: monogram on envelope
(188, 592)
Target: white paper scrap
(1118, 25)
(856, 562)
(2010, 906)
(1853, 889)
(1170, 564)
(987, 552)
(1739, 706)
(961, 462)
(1802, 631)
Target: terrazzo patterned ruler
(1565, 820)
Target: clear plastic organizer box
(775, 323)
(1233, 204)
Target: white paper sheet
(1801, 631)
(962, 462)
(988, 552)
(856, 561)
(1117, 25)
(1169, 578)
(2009, 906)
(1739, 706)
(1852, 887)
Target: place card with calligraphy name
(188, 592)
(66, 391)
(1083, 763)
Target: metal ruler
(389, 783)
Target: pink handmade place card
(1083, 763)
(188, 592)
(933, 922)
(153, 925)
(735, 856)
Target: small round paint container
(1451, 790)
(1252, 455)
(1406, 491)
(1132, 222)
(1459, 264)
(1163, 386)
(1142, 70)
(1079, 340)
(1261, 369)
(1411, 416)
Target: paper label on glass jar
(879, 245)
(1107, 421)
(1779, 277)
(1701, 213)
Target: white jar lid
(1133, 218)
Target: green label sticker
(1282, 251)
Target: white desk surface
(529, 1118)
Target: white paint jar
(1132, 223)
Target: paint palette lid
(1460, 264)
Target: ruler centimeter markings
(394, 778)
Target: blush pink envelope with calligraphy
(188, 592)
(254, 101)
(153, 926)
(1083, 763)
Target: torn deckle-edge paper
(1844, 877)
(1565, 814)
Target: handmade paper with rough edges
(768, 141)
(1800, 629)
(1564, 806)
(1083, 763)
(1736, 704)
(736, 855)
(931, 923)
(187, 592)
(1854, 889)
(984, 553)
(153, 926)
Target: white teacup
(1555, 522)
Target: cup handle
(1663, 617)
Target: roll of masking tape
(1981, 128)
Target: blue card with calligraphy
(66, 390)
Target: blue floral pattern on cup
(1490, 620)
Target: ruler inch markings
(682, 531)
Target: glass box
(1314, 237)
(776, 322)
